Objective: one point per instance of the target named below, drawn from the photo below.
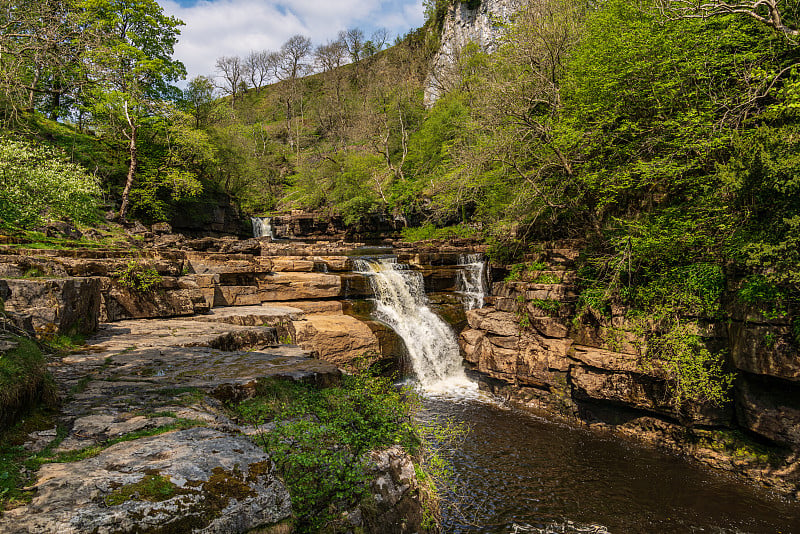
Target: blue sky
(216, 28)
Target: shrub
(138, 277)
(38, 184)
(321, 436)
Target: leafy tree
(38, 184)
(132, 66)
(198, 99)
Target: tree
(353, 40)
(198, 98)
(292, 58)
(41, 46)
(376, 42)
(779, 15)
(131, 65)
(330, 56)
(291, 66)
(259, 67)
(232, 71)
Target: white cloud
(216, 28)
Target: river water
(516, 473)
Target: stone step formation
(221, 316)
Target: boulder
(496, 322)
(395, 492)
(168, 300)
(207, 481)
(339, 339)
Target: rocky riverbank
(144, 441)
(528, 347)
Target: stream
(517, 473)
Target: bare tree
(259, 67)
(768, 12)
(291, 65)
(376, 42)
(232, 71)
(353, 40)
(292, 58)
(330, 56)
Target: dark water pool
(517, 473)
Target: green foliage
(39, 184)
(138, 277)
(549, 306)
(430, 232)
(321, 437)
(694, 373)
(24, 380)
(523, 271)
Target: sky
(216, 28)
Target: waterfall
(262, 227)
(471, 282)
(402, 305)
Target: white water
(262, 227)
(432, 346)
(472, 280)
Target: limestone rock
(168, 300)
(765, 350)
(607, 360)
(395, 491)
(643, 393)
(769, 408)
(217, 483)
(298, 286)
(496, 322)
(49, 306)
(339, 339)
(463, 26)
(236, 296)
(183, 332)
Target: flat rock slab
(126, 335)
(252, 315)
(212, 483)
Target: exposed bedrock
(527, 347)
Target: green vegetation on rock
(319, 439)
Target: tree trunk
(123, 210)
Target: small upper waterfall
(262, 227)
(431, 344)
(472, 280)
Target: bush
(321, 436)
(38, 184)
(138, 277)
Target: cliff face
(527, 347)
(481, 25)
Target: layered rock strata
(528, 348)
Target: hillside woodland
(662, 138)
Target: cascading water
(472, 280)
(402, 305)
(262, 227)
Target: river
(515, 472)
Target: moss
(739, 446)
(24, 380)
(152, 488)
(223, 486)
